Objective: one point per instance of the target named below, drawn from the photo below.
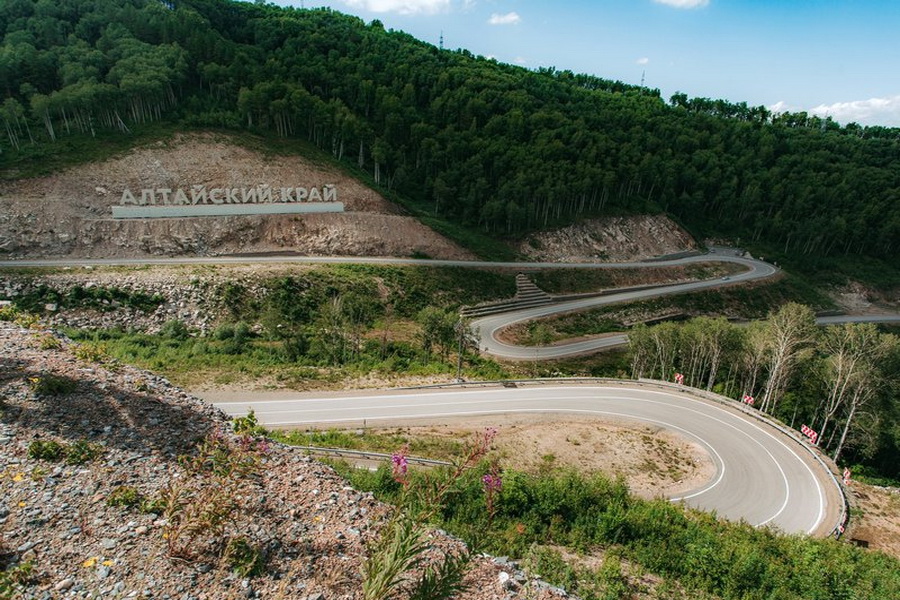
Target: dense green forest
(462, 137)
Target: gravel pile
(121, 430)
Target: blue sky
(829, 57)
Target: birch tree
(847, 347)
(866, 382)
(790, 330)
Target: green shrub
(52, 385)
(46, 450)
(125, 496)
(77, 453)
(223, 332)
(92, 353)
(175, 330)
(18, 316)
(82, 452)
(47, 341)
(12, 580)
(247, 425)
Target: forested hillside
(468, 139)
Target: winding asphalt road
(354, 260)
(762, 476)
(489, 327)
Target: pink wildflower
(399, 465)
(492, 482)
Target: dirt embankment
(69, 214)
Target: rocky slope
(90, 523)
(68, 214)
(612, 239)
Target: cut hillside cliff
(611, 239)
(69, 214)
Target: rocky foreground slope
(89, 456)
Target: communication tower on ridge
(441, 41)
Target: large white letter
(330, 193)
(180, 197)
(248, 195)
(148, 197)
(127, 197)
(198, 195)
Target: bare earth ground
(652, 461)
(879, 521)
(857, 299)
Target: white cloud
(874, 111)
(404, 7)
(507, 19)
(782, 106)
(520, 61)
(684, 3)
(643, 61)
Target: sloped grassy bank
(532, 517)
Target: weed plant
(400, 546)
(124, 496)
(47, 341)
(201, 509)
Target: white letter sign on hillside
(198, 201)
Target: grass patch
(203, 359)
(435, 447)
(580, 281)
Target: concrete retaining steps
(528, 295)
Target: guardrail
(366, 455)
